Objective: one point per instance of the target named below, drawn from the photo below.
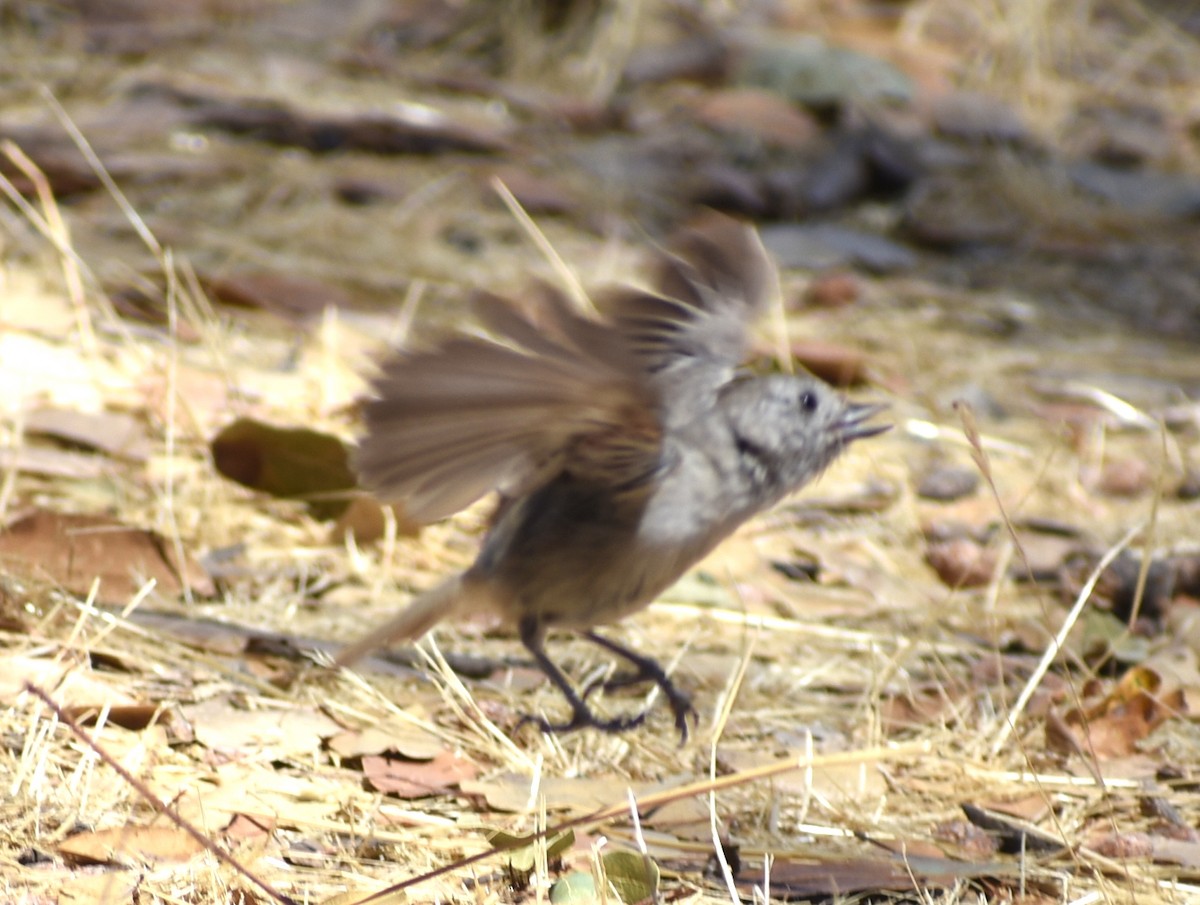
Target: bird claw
(646, 670)
(584, 718)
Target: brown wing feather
(449, 424)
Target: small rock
(978, 117)
(953, 210)
(1125, 478)
(536, 193)
(759, 115)
(946, 483)
(1121, 137)
(833, 290)
(1140, 191)
(838, 365)
(828, 245)
(961, 563)
(1189, 487)
(806, 70)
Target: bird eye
(808, 402)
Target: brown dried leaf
(265, 733)
(1112, 726)
(54, 463)
(414, 744)
(111, 432)
(759, 115)
(140, 845)
(75, 687)
(512, 791)
(918, 707)
(289, 295)
(833, 290)
(417, 779)
(75, 550)
(365, 519)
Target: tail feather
(422, 614)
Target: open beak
(851, 427)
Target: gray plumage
(625, 448)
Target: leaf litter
(875, 740)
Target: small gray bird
(624, 450)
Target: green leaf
(292, 463)
(576, 888)
(521, 848)
(634, 876)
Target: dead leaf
(290, 463)
(110, 432)
(54, 463)
(1031, 808)
(918, 707)
(73, 686)
(417, 779)
(74, 551)
(759, 115)
(78, 888)
(286, 294)
(510, 791)
(246, 827)
(833, 290)
(266, 732)
(412, 743)
(131, 844)
(365, 519)
(1114, 725)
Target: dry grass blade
(1056, 644)
(60, 235)
(565, 274)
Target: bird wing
(472, 415)
(691, 333)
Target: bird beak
(851, 426)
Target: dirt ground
(963, 666)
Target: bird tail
(422, 614)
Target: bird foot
(584, 718)
(679, 701)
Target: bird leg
(532, 636)
(646, 669)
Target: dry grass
(794, 756)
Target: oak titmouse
(624, 449)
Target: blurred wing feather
(449, 424)
(691, 333)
